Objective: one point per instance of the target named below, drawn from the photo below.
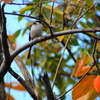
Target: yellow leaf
(60, 38)
(26, 8)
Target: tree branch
(50, 95)
(41, 39)
(4, 37)
(4, 67)
(25, 84)
(21, 66)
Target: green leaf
(84, 25)
(89, 3)
(16, 34)
(24, 31)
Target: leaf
(56, 47)
(16, 34)
(26, 8)
(15, 85)
(9, 97)
(43, 60)
(98, 46)
(56, 12)
(97, 84)
(78, 67)
(84, 70)
(89, 3)
(84, 25)
(11, 38)
(60, 38)
(91, 95)
(83, 87)
(6, 1)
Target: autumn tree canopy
(66, 54)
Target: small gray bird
(36, 30)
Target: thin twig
(55, 76)
(84, 14)
(34, 9)
(51, 13)
(30, 3)
(78, 17)
(40, 11)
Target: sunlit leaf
(83, 24)
(83, 87)
(16, 34)
(91, 95)
(89, 3)
(78, 67)
(15, 85)
(61, 38)
(9, 97)
(26, 8)
(97, 84)
(84, 70)
(11, 38)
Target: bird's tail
(28, 56)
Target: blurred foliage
(46, 55)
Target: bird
(36, 30)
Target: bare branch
(5, 66)
(30, 3)
(40, 39)
(50, 27)
(25, 84)
(51, 13)
(21, 66)
(4, 37)
(55, 76)
(50, 95)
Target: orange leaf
(9, 97)
(83, 87)
(15, 85)
(97, 84)
(6, 1)
(91, 95)
(84, 70)
(78, 67)
(11, 38)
